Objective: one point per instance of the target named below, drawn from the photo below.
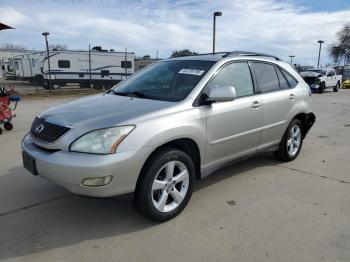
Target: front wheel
(165, 185)
(290, 145)
(337, 87)
(322, 87)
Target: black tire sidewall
(143, 197)
(8, 126)
(285, 139)
(321, 88)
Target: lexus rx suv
(176, 121)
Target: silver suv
(171, 123)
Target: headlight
(101, 141)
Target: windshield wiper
(132, 94)
(139, 94)
(120, 93)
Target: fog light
(97, 181)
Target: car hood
(310, 74)
(103, 110)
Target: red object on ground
(8, 103)
(3, 26)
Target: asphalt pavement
(257, 210)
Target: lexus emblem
(39, 129)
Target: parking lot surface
(257, 210)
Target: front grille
(47, 132)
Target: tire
(157, 189)
(337, 87)
(0, 131)
(289, 148)
(322, 87)
(8, 126)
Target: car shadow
(237, 167)
(62, 219)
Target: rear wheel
(0, 131)
(337, 87)
(291, 142)
(165, 185)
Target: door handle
(291, 96)
(256, 104)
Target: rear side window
(236, 75)
(63, 63)
(291, 80)
(266, 77)
(282, 79)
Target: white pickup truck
(321, 79)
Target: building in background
(144, 61)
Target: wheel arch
(187, 145)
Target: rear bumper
(310, 120)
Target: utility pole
(125, 63)
(319, 52)
(90, 82)
(214, 27)
(45, 34)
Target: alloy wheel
(170, 186)
(294, 140)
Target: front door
(233, 128)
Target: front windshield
(319, 71)
(167, 80)
(346, 73)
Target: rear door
(233, 128)
(277, 100)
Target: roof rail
(247, 53)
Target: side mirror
(222, 94)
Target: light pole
(214, 27)
(291, 59)
(45, 34)
(319, 52)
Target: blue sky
(279, 27)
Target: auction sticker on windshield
(195, 72)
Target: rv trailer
(103, 68)
(6, 66)
(28, 66)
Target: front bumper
(69, 169)
(315, 87)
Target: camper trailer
(6, 62)
(100, 68)
(7, 72)
(28, 66)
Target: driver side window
(237, 75)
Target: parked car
(321, 79)
(169, 124)
(346, 78)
